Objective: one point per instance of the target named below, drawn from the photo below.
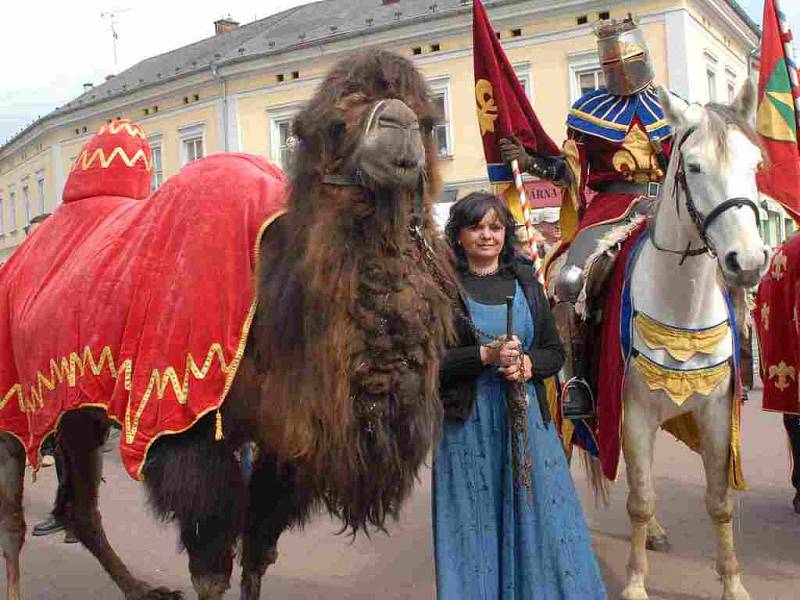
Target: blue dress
(492, 540)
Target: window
(192, 146)
(711, 77)
(589, 80)
(12, 210)
(524, 75)
(158, 170)
(40, 189)
(731, 92)
(440, 96)
(281, 142)
(26, 204)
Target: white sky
(49, 48)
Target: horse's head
(713, 168)
(372, 121)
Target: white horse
(703, 237)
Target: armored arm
(552, 168)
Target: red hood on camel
(140, 305)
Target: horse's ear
(746, 100)
(674, 108)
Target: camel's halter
(701, 222)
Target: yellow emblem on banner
(679, 385)
(681, 344)
(782, 373)
(487, 109)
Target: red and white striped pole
(526, 215)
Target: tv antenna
(111, 15)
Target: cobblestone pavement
(316, 563)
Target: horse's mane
(351, 321)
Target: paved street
(316, 563)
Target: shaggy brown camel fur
(338, 385)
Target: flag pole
(526, 215)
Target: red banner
(503, 107)
(777, 120)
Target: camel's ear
(745, 103)
(674, 108)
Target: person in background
(497, 535)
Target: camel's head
(371, 120)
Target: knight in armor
(611, 167)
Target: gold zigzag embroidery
(115, 127)
(70, 369)
(169, 379)
(84, 161)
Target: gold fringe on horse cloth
(613, 238)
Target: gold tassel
(218, 436)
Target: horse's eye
(695, 168)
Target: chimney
(225, 25)
(87, 87)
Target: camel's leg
(657, 539)
(713, 420)
(273, 504)
(12, 522)
(209, 542)
(82, 435)
(639, 431)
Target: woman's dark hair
(468, 212)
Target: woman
(494, 539)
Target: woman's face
(484, 240)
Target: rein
(701, 222)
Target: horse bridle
(701, 222)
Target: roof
(294, 28)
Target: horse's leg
(273, 505)
(12, 522)
(639, 430)
(714, 422)
(82, 435)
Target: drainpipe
(221, 80)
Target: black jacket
(462, 365)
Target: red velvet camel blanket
(139, 306)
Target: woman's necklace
(485, 272)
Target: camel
(337, 388)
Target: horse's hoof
(658, 544)
(160, 593)
(634, 592)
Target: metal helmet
(624, 56)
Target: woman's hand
(520, 371)
(501, 353)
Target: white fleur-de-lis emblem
(765, 316)
(783, 373)
(779, 265)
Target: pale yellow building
(238, 90)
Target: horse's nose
(732, 263)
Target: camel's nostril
(732, 262)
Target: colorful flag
(778, 119)
(503, 111)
